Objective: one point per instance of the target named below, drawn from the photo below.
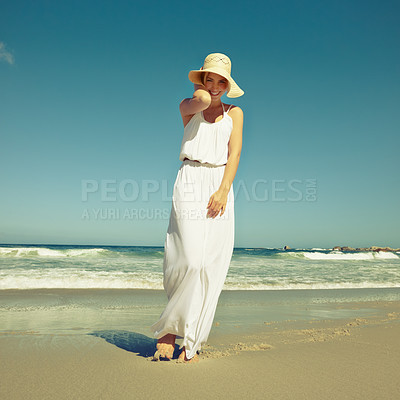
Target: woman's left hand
(216, 204)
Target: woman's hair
(204, 77)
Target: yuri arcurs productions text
(127, 214)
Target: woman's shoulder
(233, 110)
(231, 107)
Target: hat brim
(234, 89)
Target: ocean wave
(135, 267)
(157, 253)
(302, 286)
(46, 252)
(385, 254)
(155, 282)
(337, 255)
(80, 279)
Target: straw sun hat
(219, 64)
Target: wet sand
(318, 347)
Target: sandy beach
(208, 171)
(309, 356)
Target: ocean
(141, 267)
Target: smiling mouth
(214, 93)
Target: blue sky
(89, 96)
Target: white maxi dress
(197, 249)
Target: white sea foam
(338, 256)
(298, 286)
(45, 252)
(84, 252)
(154, 281)
(58, 278)
(386, 254)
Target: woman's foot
(166, 345)
(182, 357)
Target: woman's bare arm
(200, 101)
(219, 199)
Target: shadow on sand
(132, 341)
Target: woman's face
(216, 85)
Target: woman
(200, 236)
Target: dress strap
(229, 107)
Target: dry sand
(357, 358)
